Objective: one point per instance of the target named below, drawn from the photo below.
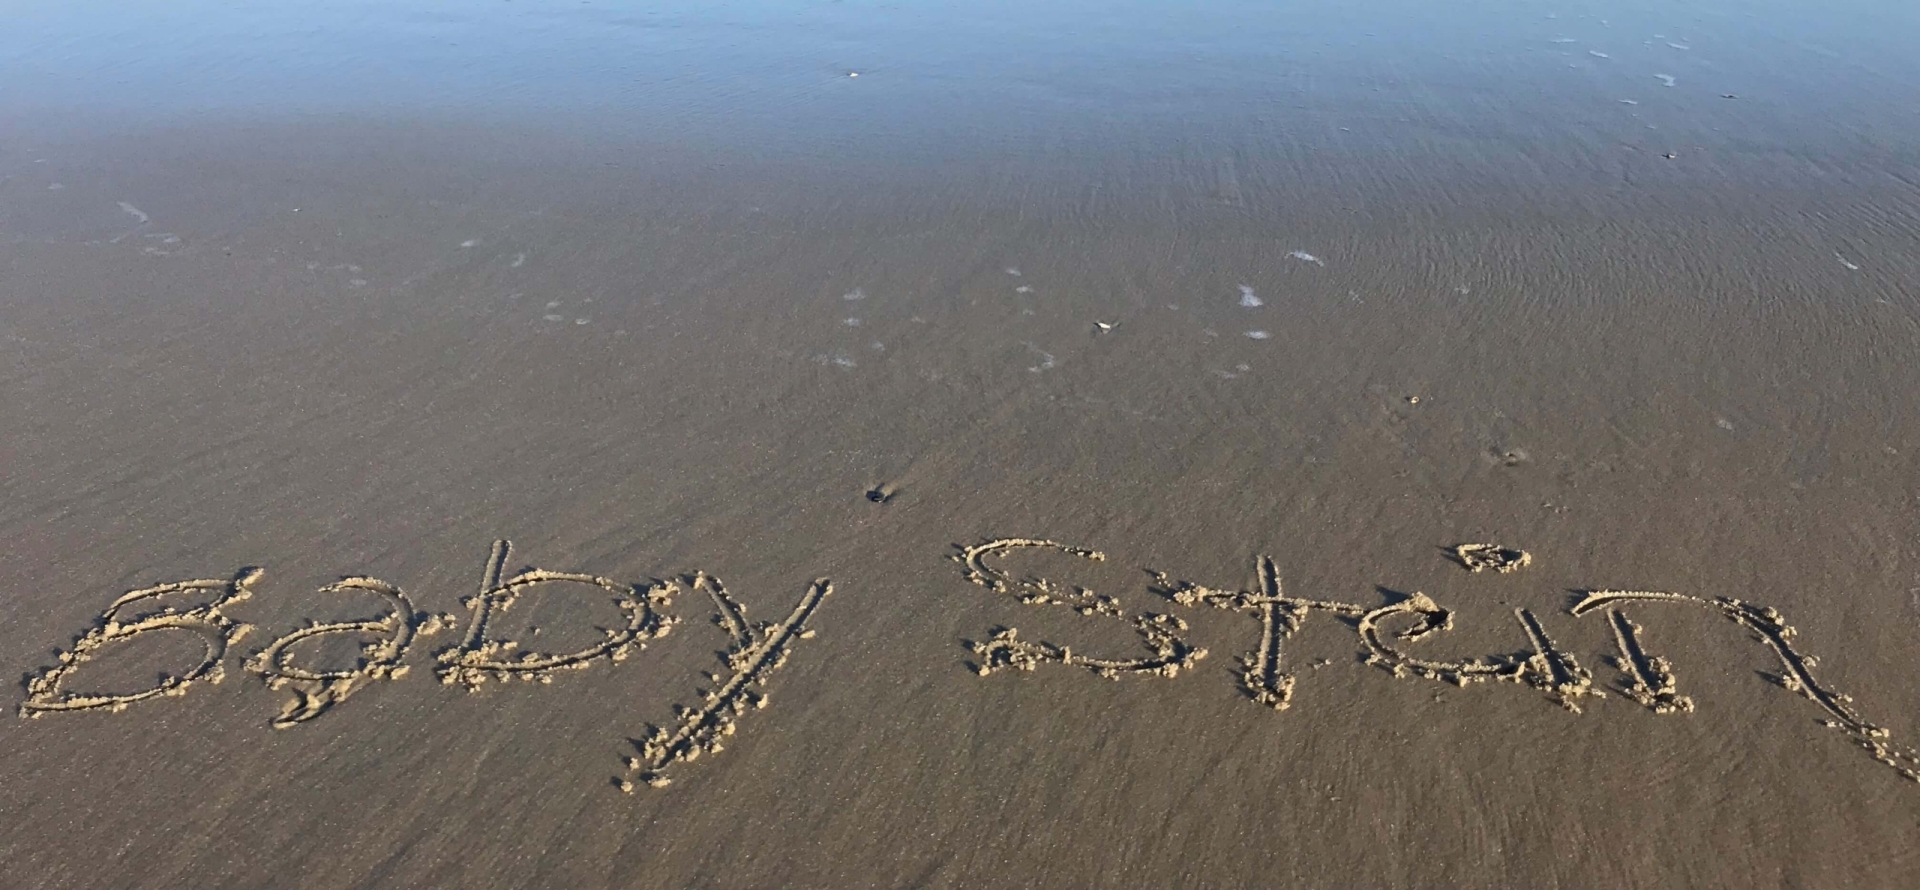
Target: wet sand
(764, 378)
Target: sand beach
(852, 444)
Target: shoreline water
(367, 345)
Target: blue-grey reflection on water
(1003, 73)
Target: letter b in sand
(477, 658)
(147, 611)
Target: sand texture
(1391, 465)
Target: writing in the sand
(1387, 631)
(479, 657)
(1387, 635)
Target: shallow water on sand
(359, 289)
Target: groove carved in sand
(757, 651)
(1262, 676)
(1481, 557)
(217, 631)
(1546, 667)
(1796, 676)
(1161, 633)
(1650, 678)
(315, 691)
(1385, 631)
(477, 659)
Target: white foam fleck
(1046, 359)
(580, 321)
(357, 282)
(555, 317)
(469, 243)
(55, 187)
(1015, 272)
(1023, 289)
(854, 295)
(1628, 102)
(1258, 335)
(553, 304)
(1598, 54)
(1248, 299)
(1667, 79)
(1845, 262)
(853, 322)
(1564, 40)
(135, 213)
(1679, 46)
(519, 259)
(1306, 257)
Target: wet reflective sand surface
(983, 445)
